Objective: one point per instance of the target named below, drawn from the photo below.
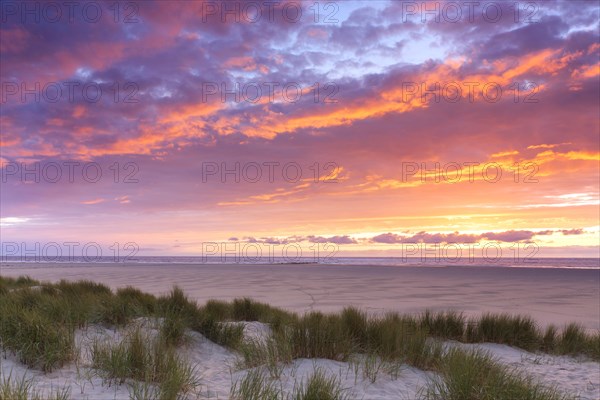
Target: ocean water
(568, 263)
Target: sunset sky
(375, 92)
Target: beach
(549, 295)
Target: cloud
(577, 231)
(374, 125)
(95, 201)
(388, 238)
(345, 239)
(171, 64)
(510, 236)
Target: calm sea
(571, 263)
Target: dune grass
(512, 330)
(573, 340)
(446, 325)
(316, 335)
(246, 309)
(255, 385)
(28, 328)
(400, 337)
(22, 389)
(518, 331)
(38, 321)
(390, 339)
(474, 375)
(522, 332)
(178, 312)
(338, 336)
(7, 284)
(273, 353)
(319, 386)
(64, 306)
(144, 358)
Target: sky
(365, 127)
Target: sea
(506, 262)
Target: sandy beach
(550, 296)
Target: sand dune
(217, 370)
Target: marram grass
(475, 375)
(38, 321)
(144, 358)
(23, 389)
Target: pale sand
(217, 369)
(556, 296)
(550, 296)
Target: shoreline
(363, 262)
(285, 264)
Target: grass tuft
(273, 353)
(512, 330)
(446, 325)
(475, 375)
(37, 340)
(144, 358)
(22, 389)
(228, 335)
(255, 385)
(319, 386)
(316, 335)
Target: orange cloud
(95, 201)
